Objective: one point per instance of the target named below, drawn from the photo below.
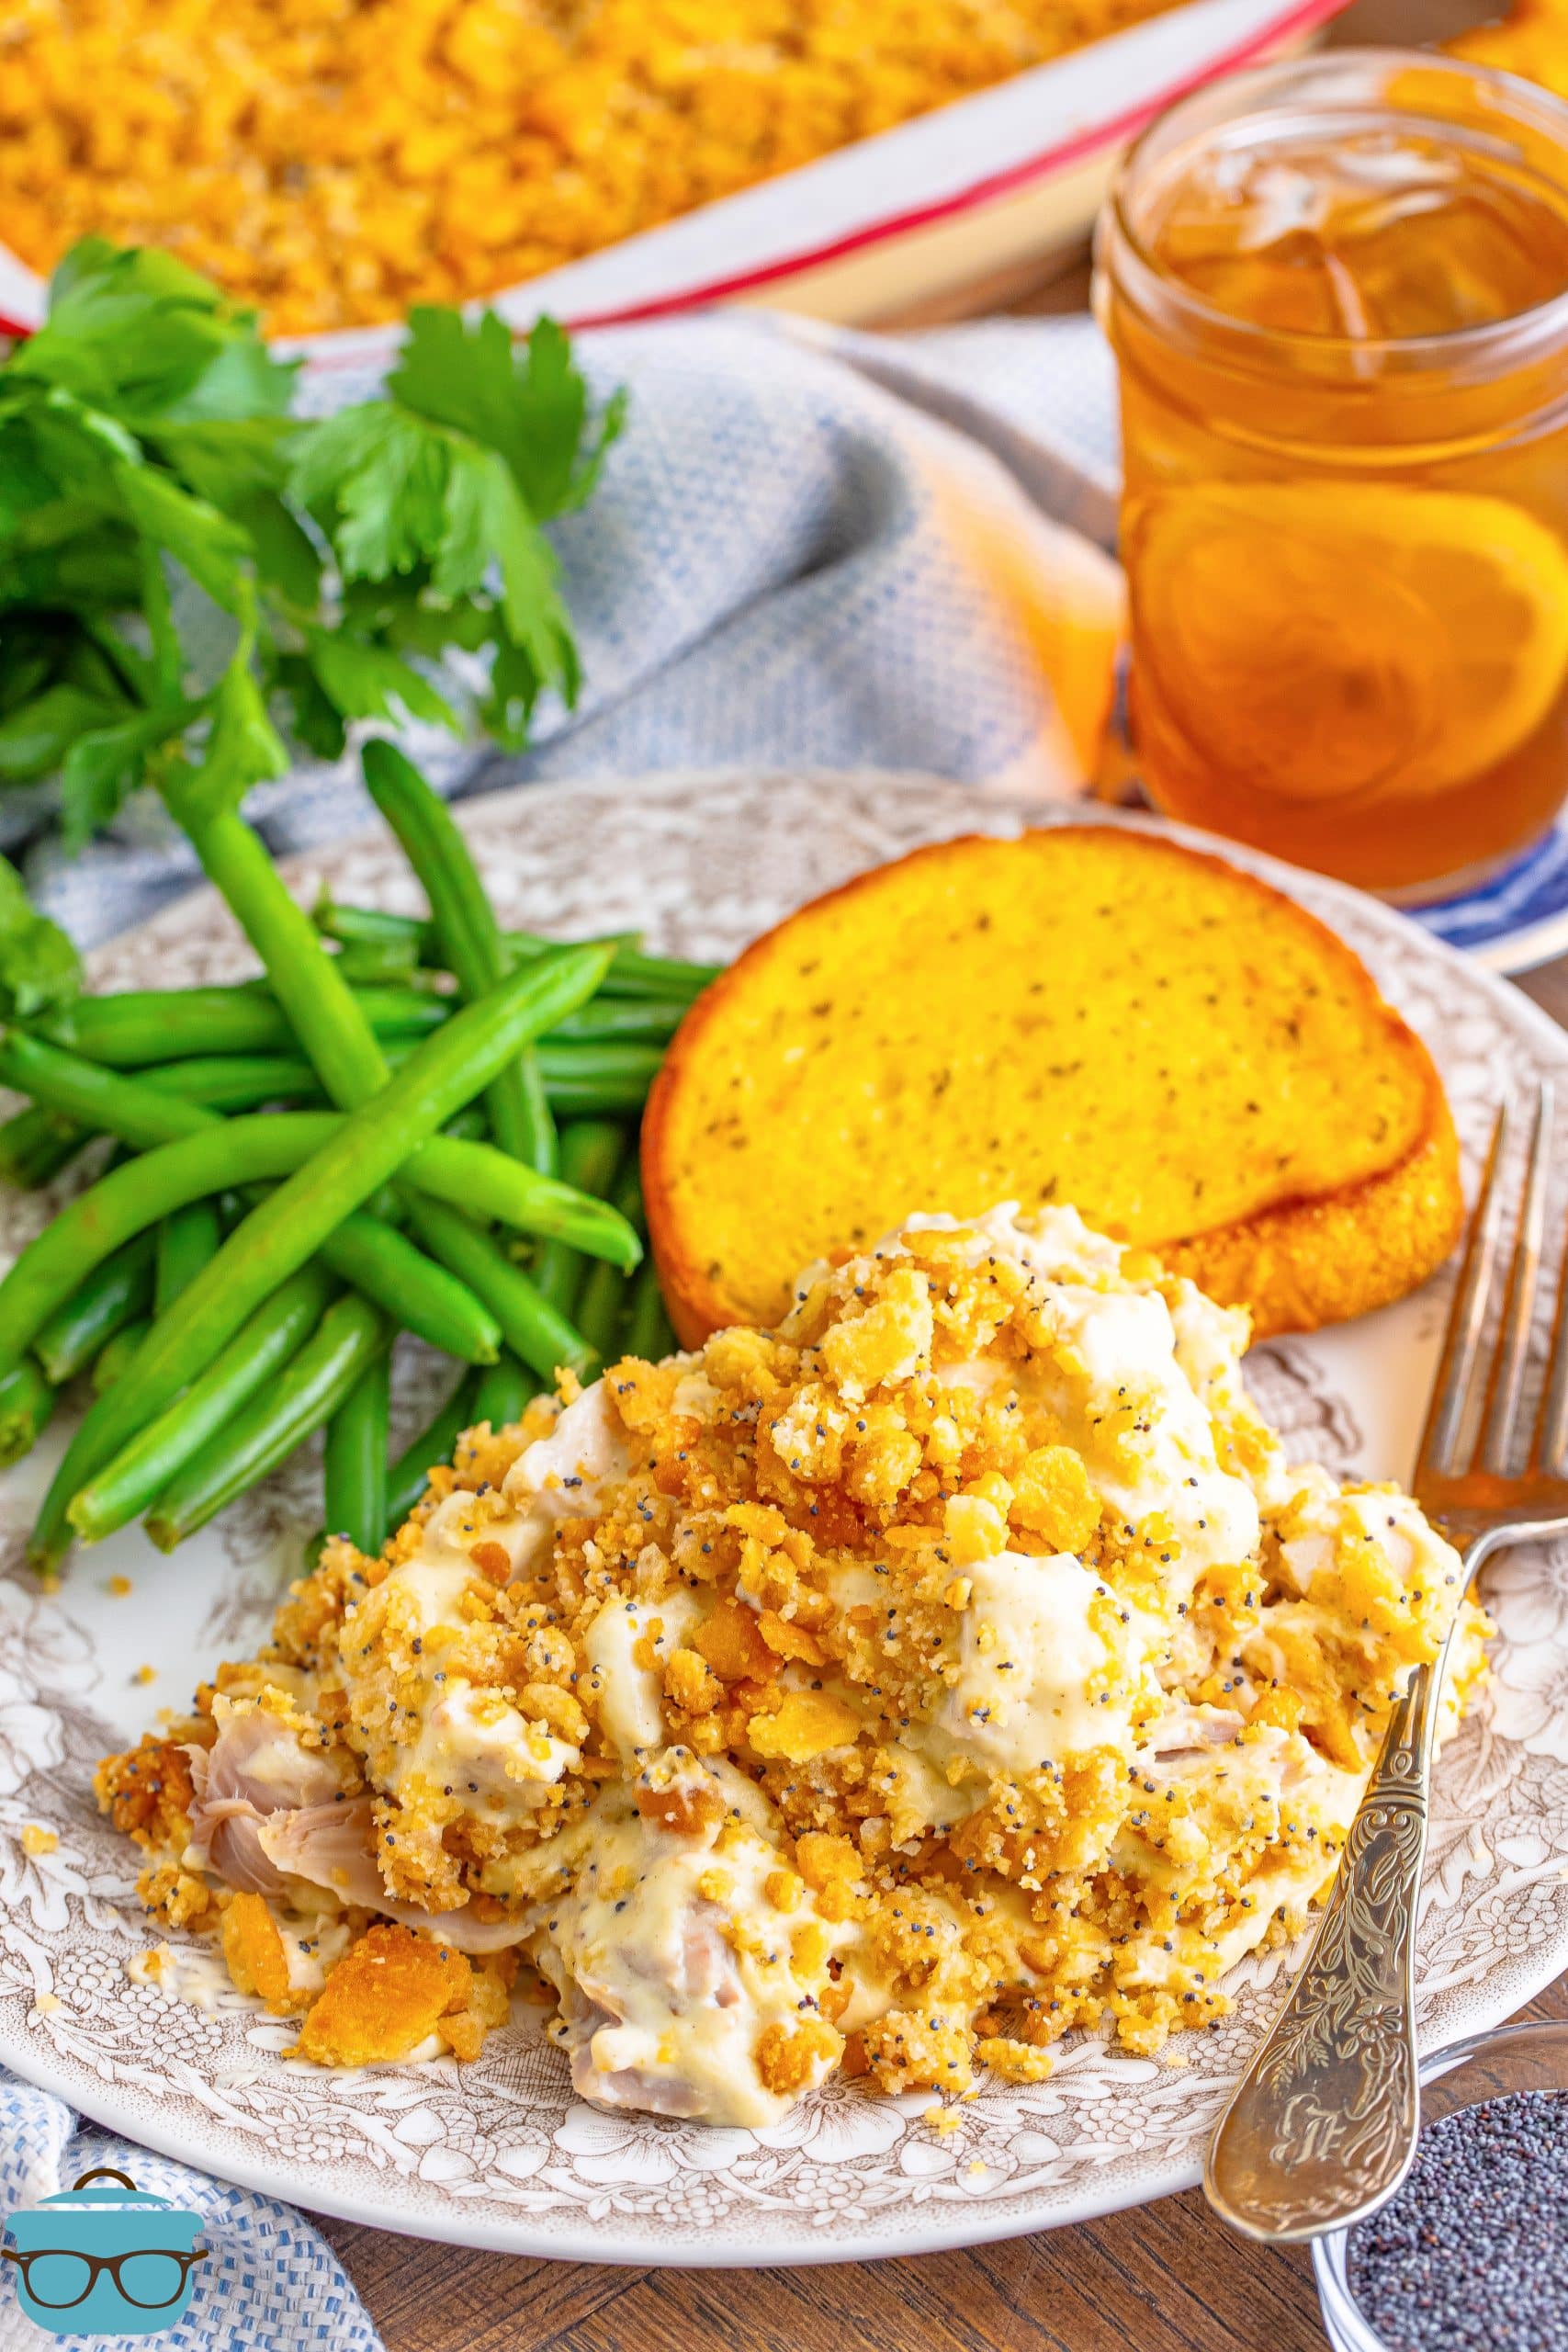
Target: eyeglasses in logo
(89, 2263)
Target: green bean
(397, 1013)
(634, 974)
(114, 1359)
(533, 1328)
(648, 1333)
(367, 962)
(354, 1461)
(228, 1082)
(201, 1089)
(619, 1019)
(351, 1335)
(325, 1017)
(597, 1082)
(109, 1295)
(469, 936)
(291, 1225)
(36, 1144)
(503, 1394)
(409, 1475)
(26, 1400)
(303, 976)
(145, 1025)
(368, 926)
(538, 1133)
(457, 1166)
(590, 1153)
(601, 1306)
(631, 974)
(299, 1146)
(581, 1076)
(244, 1081)
(476, 1177)
(133, 1480)
(601, 1303)
(382, 1263)
(582, 1079)
(188, 1238)
(100, 1098)
(129, 1200)
(153, 1025)
(353, 926)
(365, 1250)
(373, 1258)
(370, 1252)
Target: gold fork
(1323, 2126)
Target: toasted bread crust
(1311, 1262)
(1314, 1255)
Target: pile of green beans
(404, 1124)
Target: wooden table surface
(1164, 2278)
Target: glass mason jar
(1337, 294)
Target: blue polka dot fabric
(270, 2283)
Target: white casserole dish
(975, 191)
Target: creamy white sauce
(502, 1765)
(672, 1960)
(1036, 1681)
(628, 1695)
(1144, 1436)
(311, 1952)
(919, 1788)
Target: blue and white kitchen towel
(270, 2283)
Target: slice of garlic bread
(1087, 1014)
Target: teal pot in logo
(88, 2261)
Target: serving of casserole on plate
(892, 1693)
(806, 2105)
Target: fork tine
(1467, 1315)
(1506, 1384)
(1552, 1431)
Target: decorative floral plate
(499, 2154)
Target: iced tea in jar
(1338, 293)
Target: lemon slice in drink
(1334, 639)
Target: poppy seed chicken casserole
(958, 1664)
